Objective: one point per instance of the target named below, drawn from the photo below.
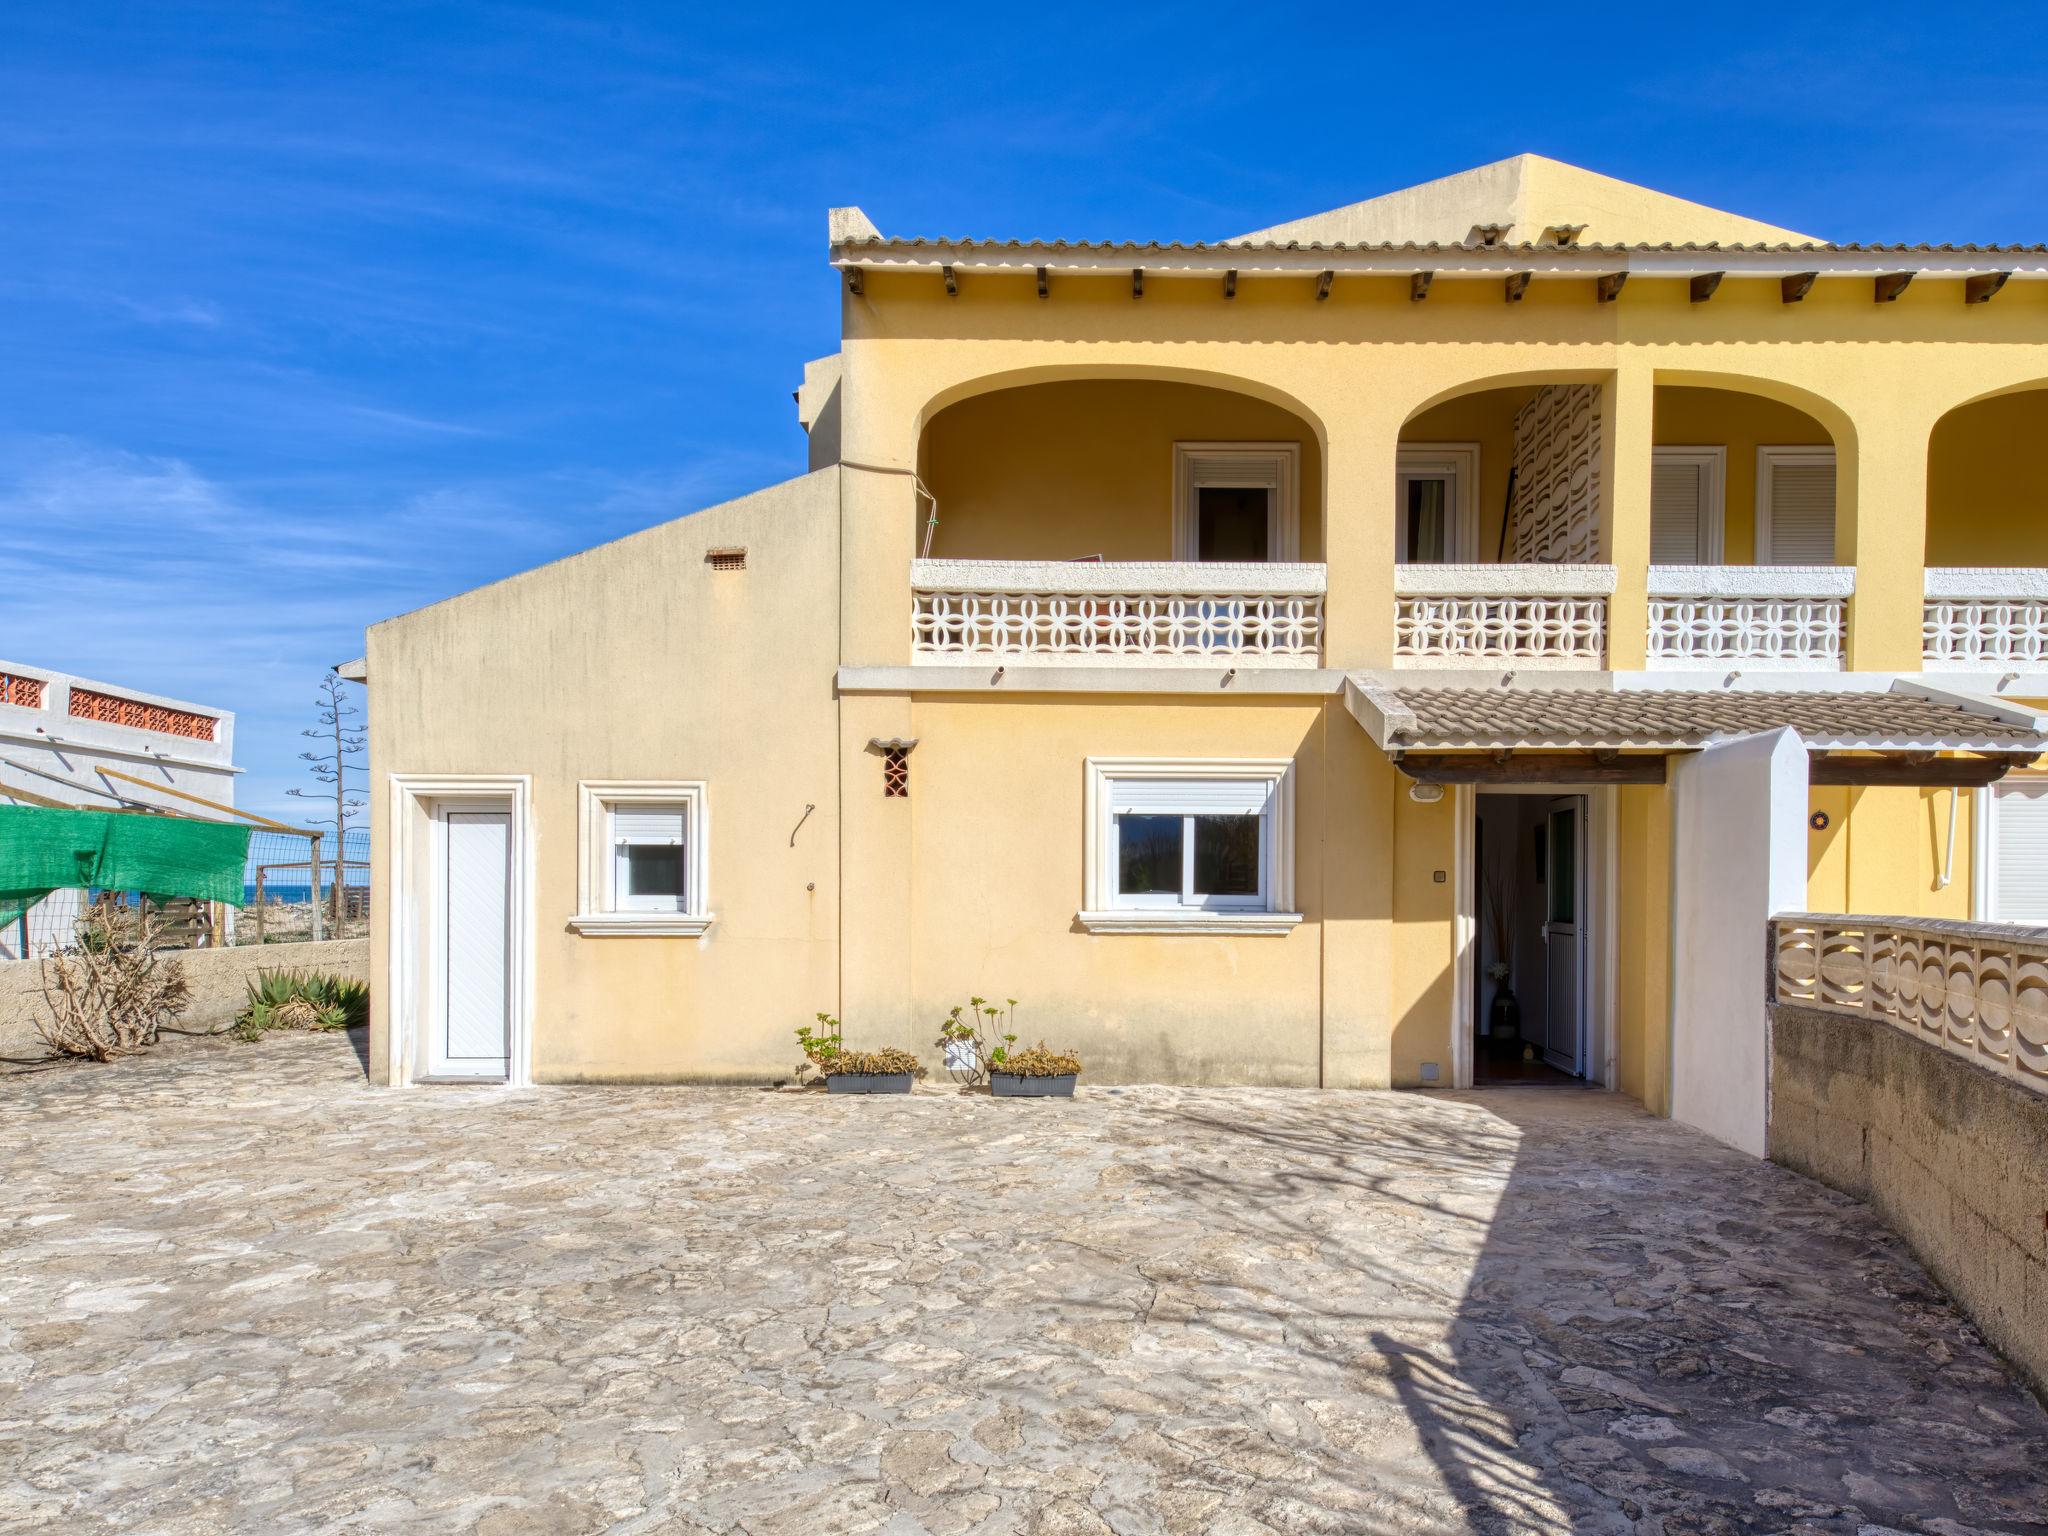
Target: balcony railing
(1977, 989)
(1985, 616)
(1116, 613)
(1531, 615)
(1760, 616)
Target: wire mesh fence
(287, 900)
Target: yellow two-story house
(1415, 644)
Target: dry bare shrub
(1039, 1061)
(111, 995)
(889, 1059)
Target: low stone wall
(218, 979)
(1953, 1157)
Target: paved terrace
(241, 1291)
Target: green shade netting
(49, 850)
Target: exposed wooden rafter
(853, 281)
(1323, 282)
(1044, 284)
(1978, 290)
(1230, 284)
(1517, 285)
(1137, 282)
(1608, 286)
(1531, 768)
(1796, 286)
(1704, 284)
(1890, 286)
(1418, 286)
(952, 282)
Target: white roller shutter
(1802, 513)
(1675, 497)
(1190, 797)
(2019, 853)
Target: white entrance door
(1564, 930)
(472, 1024)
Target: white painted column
(1738, 855)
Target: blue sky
(311, 314)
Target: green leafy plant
(979, 1030)
(292, 999)
(889, 1059)
(822, 1046)
(1039, 1061)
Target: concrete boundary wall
(1952, 1156)
(218, 979)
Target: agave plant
(288, 999)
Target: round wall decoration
(1819, 821)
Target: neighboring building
(1183, 639)
(58, 731)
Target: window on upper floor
(1686, 505)
(1795, 505)
(1236, 501)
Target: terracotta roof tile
(1652, 718)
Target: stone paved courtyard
(241, 1291)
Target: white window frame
(1457, 462)
(1768, 458)
(1102, 911)
(1984, 847)
(598, 913)
(1274, 467)
(1712, 463)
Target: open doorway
(1534, 983)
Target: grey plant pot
(867, 1082)
(1014, 1085)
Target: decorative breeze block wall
(1557, 476)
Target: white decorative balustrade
(1985, 616)
(1116, 612)
(1977, 989)
(1757, 616)
(1531, 615)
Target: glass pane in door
(1428, 527)
(1564, 866)
(1231, 522)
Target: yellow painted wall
(1987, 483)
(1064, 471)
(1488, 419)
(635, 661)
(1642, 1014)
(1707, 418)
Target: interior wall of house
(1987, 483)
(1067, 470)
(1510, 826)
(1488, 419)
(1686, 417)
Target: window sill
(636, 925)
(1138, 920)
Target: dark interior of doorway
(1511, 875)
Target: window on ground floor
(2012, 851)
(1189, 844)
(644, 866)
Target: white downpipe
(1948, 858)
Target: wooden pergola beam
(1531, 768)
(1702, 287)
(1609, 286)
(1978, 290)
(1910, 769)
(1044, 283)
(1796, 286)
(952, 282)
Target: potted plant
(977, 1043)
(888, 1070)
(1035, 1072)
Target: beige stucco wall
(1952, 1156)
(216, 979)
(635, 660)
(1064, 471)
